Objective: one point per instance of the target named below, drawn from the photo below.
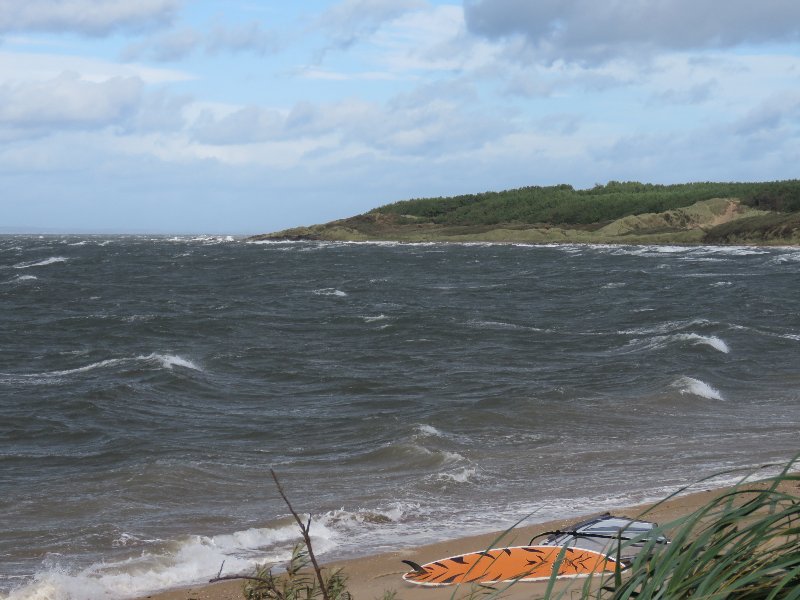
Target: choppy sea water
(403, 394)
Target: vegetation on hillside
(564, 205)
(765, 213)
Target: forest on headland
(617, 212)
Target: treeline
(564, 205)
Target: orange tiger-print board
(522, 563)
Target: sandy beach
(370, 576)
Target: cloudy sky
(247, 116)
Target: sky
(248, 116)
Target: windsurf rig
(608, 534)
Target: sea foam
(185, 562)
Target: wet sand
(370, 576)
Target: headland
(765, 214)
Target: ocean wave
(462, 475)
(705, 340)
(20, 279)
(663, 341)
(424, 430)
(329, 292)
(184, 562)
(342, 520)
(696, 387)
(380, 317)
(773, 334)
(166, 361)
(41, 263)
(666, 327)
(429, 430)
(480, 324)
(790, 256)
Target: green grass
(743, 545)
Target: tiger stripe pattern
(521, 563)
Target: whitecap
(20, 279)
(168, 361)
(696, 387)
(185, 562)
(429, 430)
(658, 342)
(380, 317)
(665, 327)
(342, 519)
(707, 340)
(41, 263)
(480, 324)
(90, 367)
(463, 475)
(329, 292)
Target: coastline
(718, 221)
(369, 577)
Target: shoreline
(255, 240)
(369, 577)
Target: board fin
(417, 568)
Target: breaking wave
(165, 361)
(696, 387)
(662, 341)
(705, 340)
(184, 562)
(329, 292)
(462, 475)
(20, 279)
(41, 263)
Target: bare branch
(305, 530)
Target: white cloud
(352, 20)
(434, 39)
(179, 43)
(591, 31)
(68, 101)
(246, 125)
(22, 66)
(88, 17)
(773, 114)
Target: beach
(369, 577)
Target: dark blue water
(403, 393)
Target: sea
(402, 394)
